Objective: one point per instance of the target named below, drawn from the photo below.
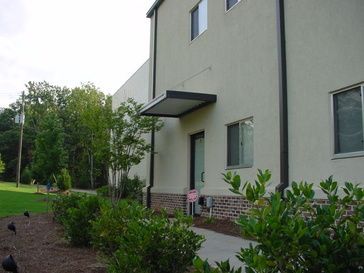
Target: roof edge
(156, 5)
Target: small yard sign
(192, 196)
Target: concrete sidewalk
(91, 192)
(220, 247)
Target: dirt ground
(222, 226)
(40, 248)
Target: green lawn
(14, 201)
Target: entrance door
(198, 165)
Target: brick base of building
(169, 201)
(225, 207)
(144, 199)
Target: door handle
(202, 176)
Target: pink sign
(192, 196)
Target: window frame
(196, 7)
(233, 6)
(239, 166)
(333, 129)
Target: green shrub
(103, 191)
(296, 236)
(2, 166)
(133, 188)
(113, 223)
(223, 267)
(155, 245)
(76, 213)
(64, 181)
(129, 188)
(26, 176)
(61, 204)
(78, 223)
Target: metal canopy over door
(198, 165)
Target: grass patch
(14, 201)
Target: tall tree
(41, 98)
(9, 135)
(50, 155)
(128, 143)
(90, 112)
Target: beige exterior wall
(325, 52)
(236, 58)
(135, 87)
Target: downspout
(152, 138)
(283, 106)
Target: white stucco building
(253, 84)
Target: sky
(68, 42)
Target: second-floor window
(230, 3)
(348, 117)
(199, 19)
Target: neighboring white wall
(135, 87)
(235, 58)
(325, 52)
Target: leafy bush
(223, 267)
(2, 166)
(156, 244)
(129, 188)
(61, 204)
(133, 188)
(78, 223)
(76, 213)
(64, 181)
(26, 176)
(112, 223)
(103, 191)
(294, 235)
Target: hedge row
(130, 237)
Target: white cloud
(67, 42)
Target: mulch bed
(222, 226)
(41, 248)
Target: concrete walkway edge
(220, 247)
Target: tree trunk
(91, 162)
(92, 182)
(92, 173)
(113, 188)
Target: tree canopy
(75, 129)
(68, 125)
(50, 155)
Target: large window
(348, 121)
(199, 19)
(240, 144)
(230, 3)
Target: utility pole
(21, 120)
